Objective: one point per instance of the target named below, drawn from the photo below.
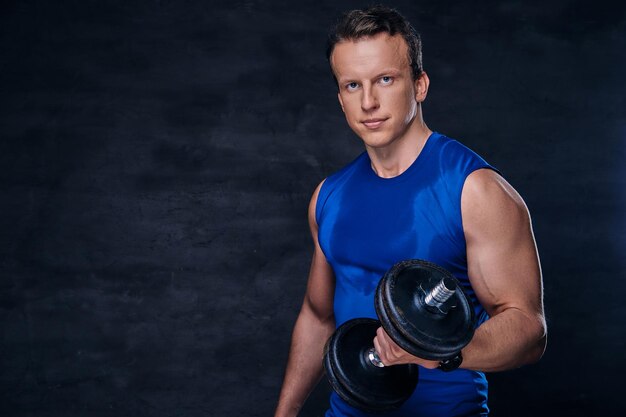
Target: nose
(369, 101)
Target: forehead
(366, 57)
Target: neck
(395, 158)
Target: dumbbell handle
(440, 293)
(373, 357)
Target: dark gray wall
(156, 161)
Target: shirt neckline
(415, 165)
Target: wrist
(449, 365)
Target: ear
(341, 102)
(421, 87)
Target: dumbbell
(423, 308)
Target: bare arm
(504, 271)
(503, 267)
(315, 324)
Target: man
(413, 193)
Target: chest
(374, 227)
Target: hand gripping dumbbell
(424, 310)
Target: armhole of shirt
(321, 200)
(474, 162)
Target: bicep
(503, 264)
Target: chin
(376, 140)
(377, 145)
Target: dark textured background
(156, 161)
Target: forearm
(304, 367)
(507, 340)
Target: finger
(382, 341)
(382, 336)
(379, 350)
(391, 348)
(387, 348)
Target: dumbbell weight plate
(413, 325)
(356, 379)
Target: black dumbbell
(423, 308)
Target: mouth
(373, 123)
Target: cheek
(412, 111)
(406, 104)
(399, 105)
(351, 110)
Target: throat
(391, 162)
(391, 170)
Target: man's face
(376, 90)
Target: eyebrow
(387, 71)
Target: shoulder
(454, 155)
(327, 187)
(456, 168)
(485, 184)
(347, 170)
(488, 201)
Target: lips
(373, 123)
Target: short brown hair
(357, 24)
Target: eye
(352, 86)
(386, 80)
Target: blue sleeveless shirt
(367, 223)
